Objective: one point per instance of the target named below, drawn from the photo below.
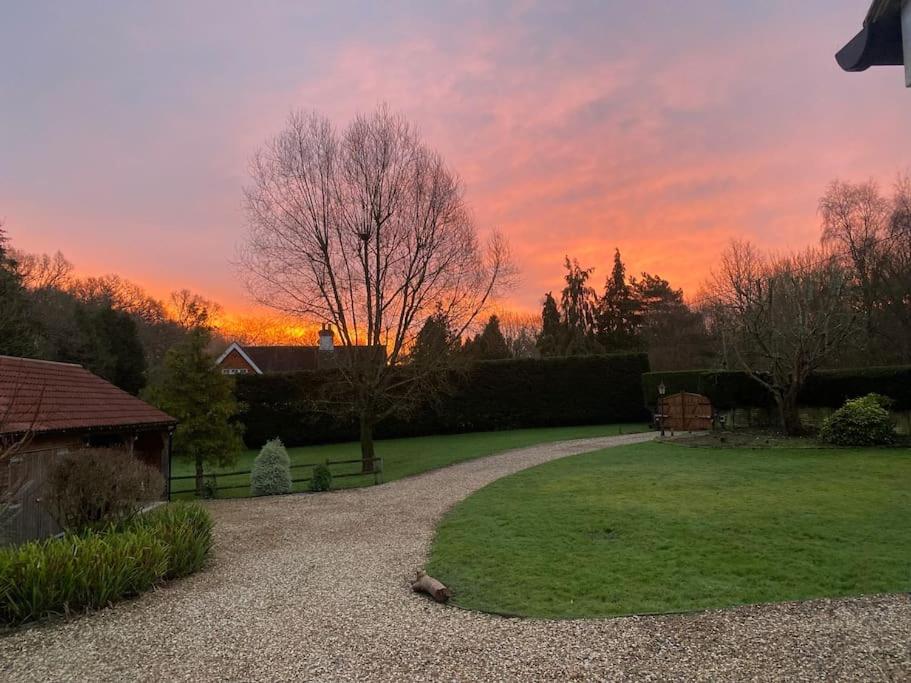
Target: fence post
(377, 473)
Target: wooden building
(51, 409)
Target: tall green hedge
(492, 395)
(825, 388)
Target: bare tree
(855, 220)
(781, 318)
(521, 331)
(121, 294)
(41, 271)
(366, 230)
(190, 310)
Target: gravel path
(315, 587)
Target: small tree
(192, 389)
(781, 317)
(271, 475)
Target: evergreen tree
(674, 335)
(271, 474)
(17, 334)
(119, 342)
(490, 344)
(434, 339)
(553, 333)
(192, 389)
(579, 304)
(617, 318)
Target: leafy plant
(271, 473)
(321, 479)
(861, 421)
(186, 530)
(93, 487)
(92, 569)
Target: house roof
(269, 359)
(42, 396)
(283, 358)
(879, 42)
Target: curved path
(315, 587)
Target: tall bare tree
(781, 318)
(367, 230)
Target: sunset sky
(660, 128)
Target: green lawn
(401, 457)
(662, 527)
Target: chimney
(325, 339)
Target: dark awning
(879, 42)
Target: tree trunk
(433, 588)
(367, 452)
(199, 476)
(790, 415)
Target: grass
(663, 528)
(401, 457)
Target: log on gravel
(427, 584)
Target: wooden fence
(211, 478)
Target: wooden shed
(50, 409)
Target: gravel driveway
(315, 587)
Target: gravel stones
(316, 587)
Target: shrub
(93, 487)
(92, 569)
(859, 422)
(321, 479)
(186, 530)
(271, 473)
(77, 572)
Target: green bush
(186, 530)
(490, 395)
(271, 473)
(92, 569)
(321, 479)
(861, 421)
(77, 572)
(90, 488)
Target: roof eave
(879, 43)
(135, 427)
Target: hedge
(492, 395)
(728, 389)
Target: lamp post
(661, 390)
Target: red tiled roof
(42, 396)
